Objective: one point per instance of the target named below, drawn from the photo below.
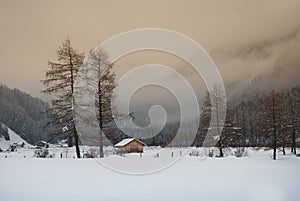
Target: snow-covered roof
(126, 141)
(41, 142)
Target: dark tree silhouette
(59, 82)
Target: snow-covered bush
(239, 152)
(41, 153)
(91, 153)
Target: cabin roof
(44, 142)
(126, 141)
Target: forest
(23, 113)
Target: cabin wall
(133, 146)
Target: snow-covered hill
(13, 138)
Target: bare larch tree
(102, 85)
(60, 82)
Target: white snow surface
(124, 142)
(255, 177)
(13, 138)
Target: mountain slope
(8, 137)
(282, 77)
(23, 113)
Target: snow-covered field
(252, 177)
(256, 177)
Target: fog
(245, 38)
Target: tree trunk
(101, 152)
(101, 145)
(293, 150)
(218, 125)
(274, 127)
(283, 142)
(294, 141)
(221, 148)
(221, 152)
(76, 139)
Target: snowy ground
(255, 176)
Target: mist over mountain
(259, 67)
(284, 75)
(277, 79)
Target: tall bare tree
(60, 82)
(211, 120)
(294, 115)
(274, 126)
(102, 85)
(204, 121)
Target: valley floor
(252, 177)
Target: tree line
(270, 120)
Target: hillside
(8, 137)
(279, 78)
(23, 113)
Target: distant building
(19, 145)
(42, 144)
(130, 145)
(15, 145)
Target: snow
(65, 128)
(126, 141)
(158, 174)
(253, 178)
(13, 138)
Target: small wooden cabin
(130, 145)
(42, 144)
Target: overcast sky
(243, 37)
